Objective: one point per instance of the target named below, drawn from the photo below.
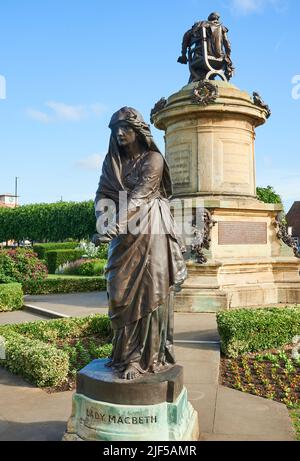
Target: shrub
(32, 350)
(99, 266)
(56, 258)
(89, 249)
(41, 249)
(91, 268)
(19, 265)
(11, 297)
(268, 195)
(253, 330)
(61, 329)
(103, 251)
(60, 284)
(84, 267)
(27, 265)
(8, 270)
(39, 363)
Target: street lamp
(16, 191)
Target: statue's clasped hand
(110, 234)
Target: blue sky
(70, 64)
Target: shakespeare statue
(145, 260)
(207, 50)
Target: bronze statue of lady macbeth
(145, 265)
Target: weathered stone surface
(210, 149)
(101, 421)
(240, 282)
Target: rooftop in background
(293, 219)
(8, 200)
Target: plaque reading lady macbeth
(145, 255)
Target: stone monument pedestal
(247, 265)
(152, 408)
(210, 133)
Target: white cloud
(254, 6)
(67, 112)
(38, 115)
(92, 162)
(59, 111)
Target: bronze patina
(144, 266)
(207, 50)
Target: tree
(268, 195)
(51, 222)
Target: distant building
(8, 201)
(293, 220)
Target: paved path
(28, 413)
(73, 304)
(18, 317)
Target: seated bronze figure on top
(145, 259)
(208, 49)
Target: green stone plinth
(102, 421)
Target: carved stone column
(210, 135)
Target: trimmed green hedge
(11, 297)
(56, 284)
(56, 258)
(51, 222)
(38, 362)
(31, 347)
(60, 329)
(253, 330)
(41, 249)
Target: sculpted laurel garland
(205, 93)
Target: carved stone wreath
(205, 93)
(285, 237)
(202, 235)
(258, 101)
(160, 105)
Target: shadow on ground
(40, 431)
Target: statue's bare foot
(130, 373)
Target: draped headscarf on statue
(111, 179)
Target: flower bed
(49, 353)
(56, 258)
(84, 267)
(273, 374)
